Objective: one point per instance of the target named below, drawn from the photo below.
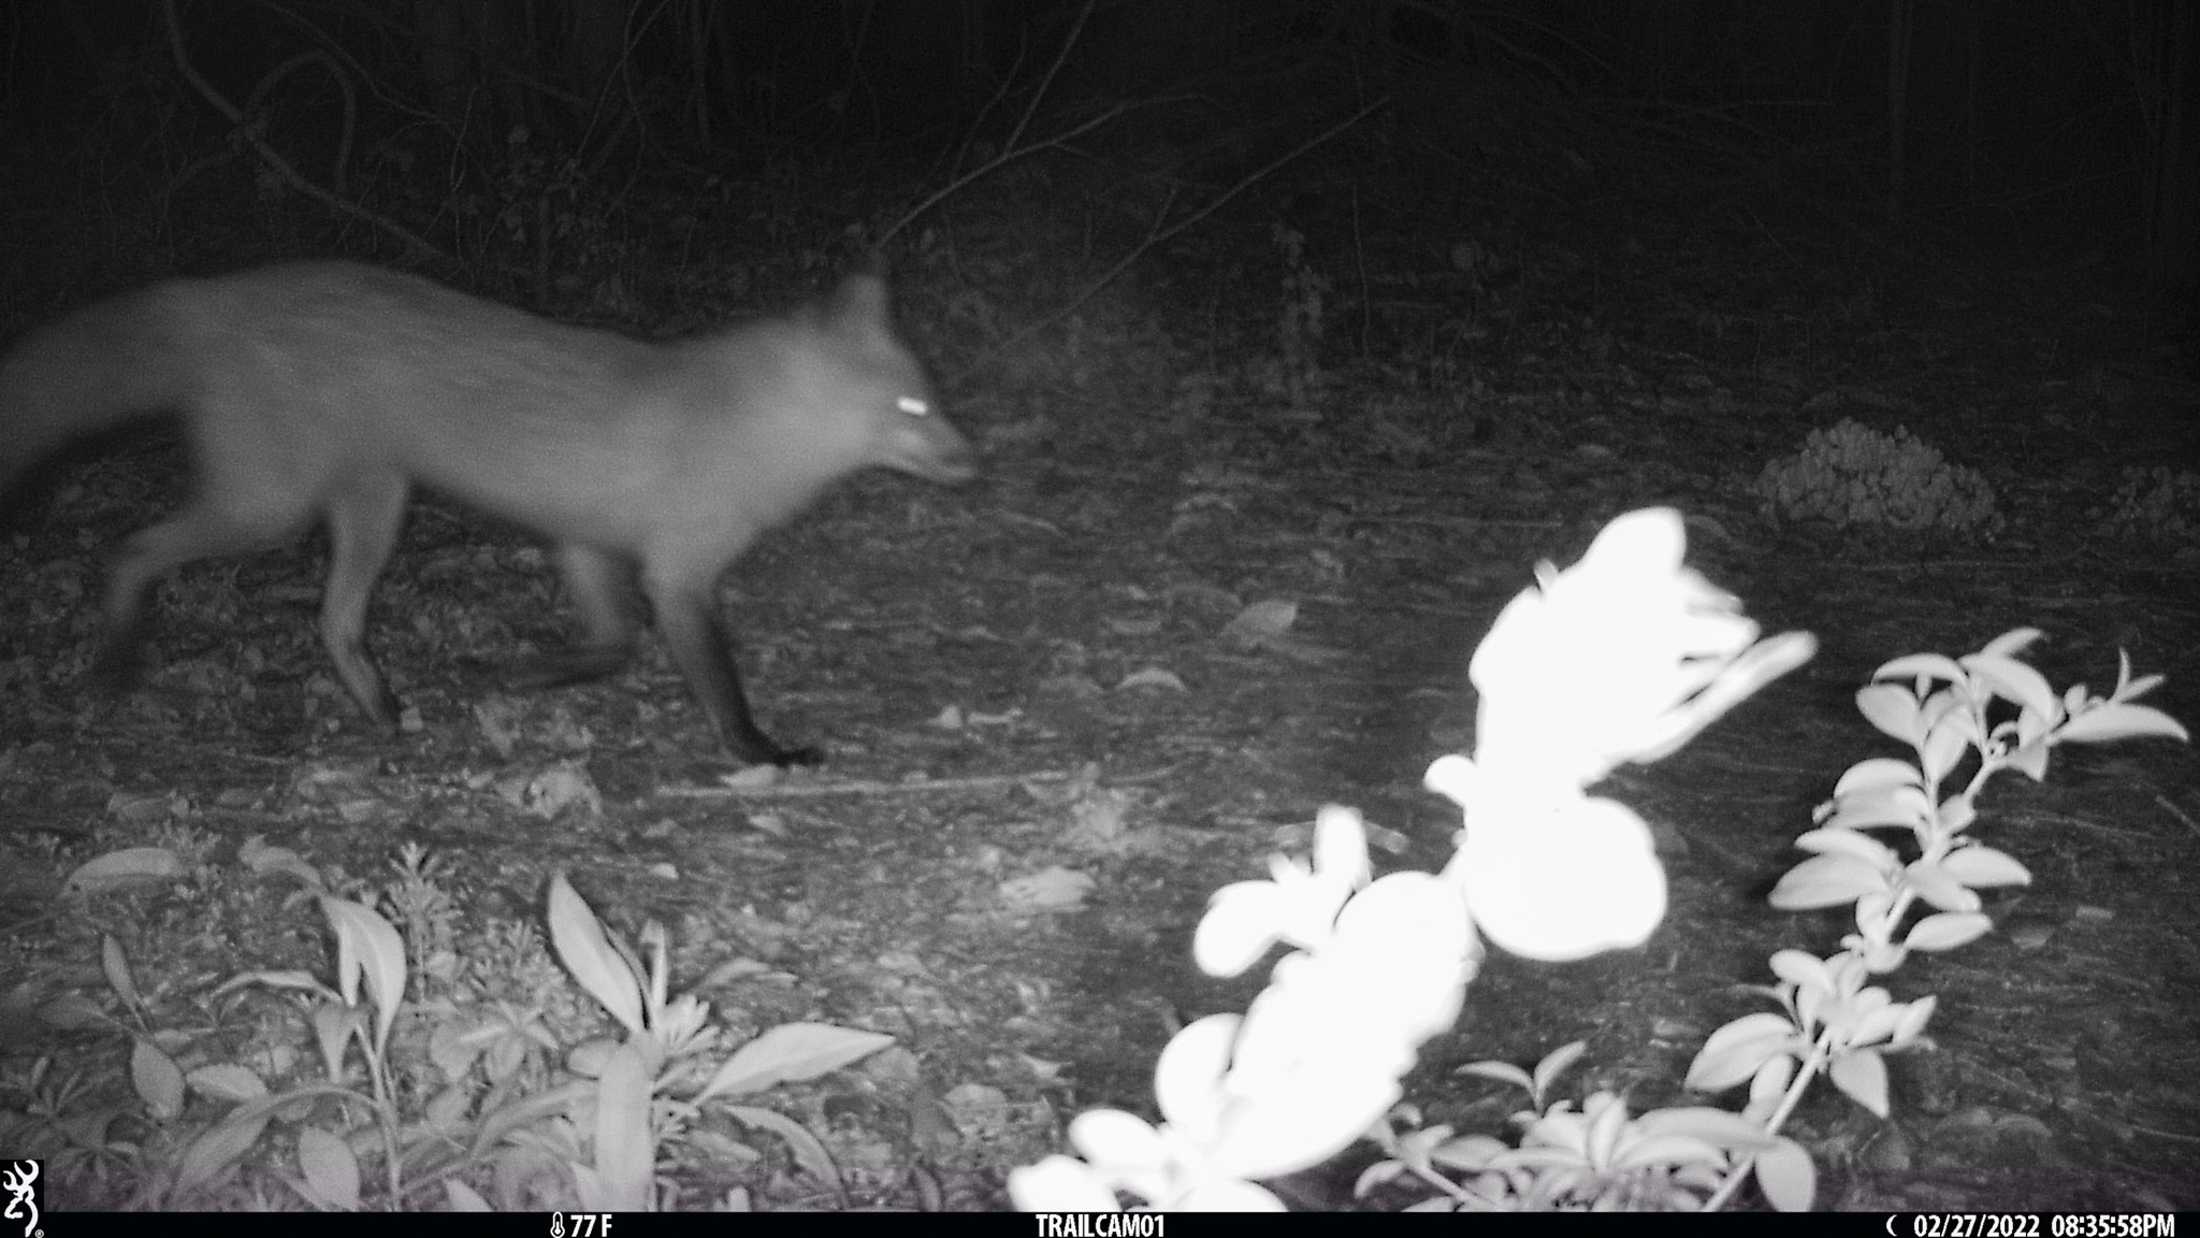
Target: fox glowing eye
(915, 406)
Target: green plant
(454, 1093)
(1622, 658)
(430, 916)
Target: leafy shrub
(2152, 507)
(1854, 476)
(1622, 658)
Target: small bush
(1854, 476)
(2152, 507)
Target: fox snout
(954, 466)
(932, 449)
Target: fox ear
(860, 300)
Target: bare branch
(273, 160)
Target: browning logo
(20, 1187)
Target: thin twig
(872, 786)
(1160, 233)
(1061, 56)
(2176, 812)
(861, 786)
(268, 155)
(268, 82)
(1007, 156)
(1010, 151)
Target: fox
(324, 392)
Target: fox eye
(915, 406)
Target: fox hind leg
(602, 587)
(201, 529)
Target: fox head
(865, 376)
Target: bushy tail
(88, 372)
